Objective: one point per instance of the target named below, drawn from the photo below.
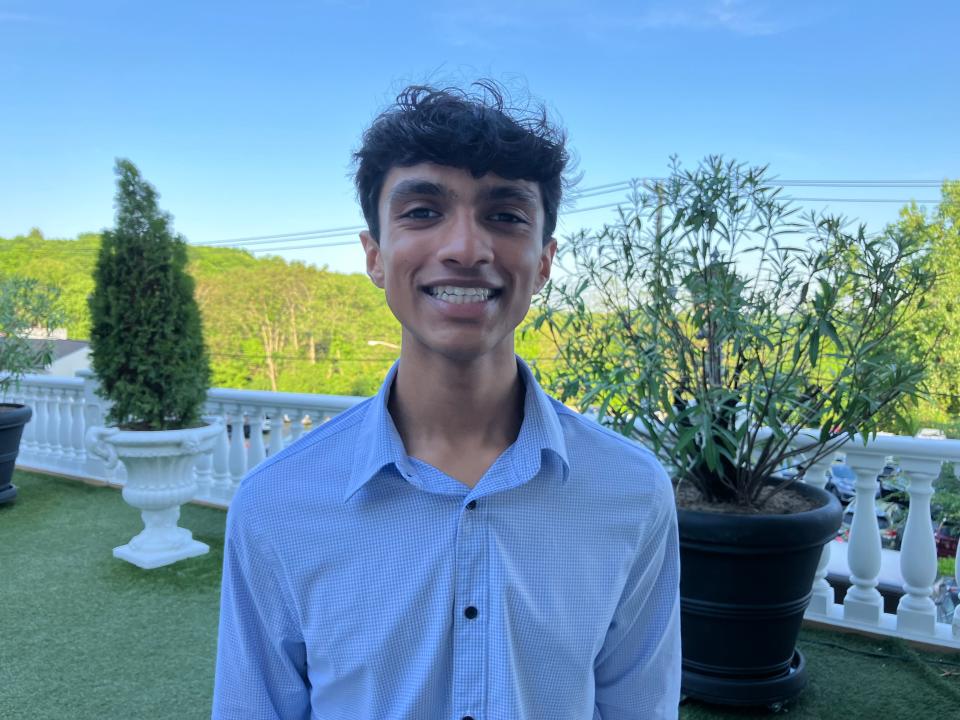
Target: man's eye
(421, 213)
(507, 217)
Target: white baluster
(77, 426)
(296, 424)
(43, 444)
(276, 431)
(822, 598)
(916, 611)
(238, 453)
(221, 462)
(53, 423)
(29, 442)
(66, 426)
(256, 452)
(863, 602)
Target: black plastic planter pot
(745, 581)
(12, 420)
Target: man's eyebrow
(512, 192)
(414, 187)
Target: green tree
(940, 231)
(146, 338)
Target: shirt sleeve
(261, 657)
(637, 671)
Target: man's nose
(467, 243)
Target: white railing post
(40, 417)
(822, 592)
(276, 430)
(221, 464)
(77, 427)
(863, 602)
(256, 452)
(296, 424)
(918, 552)
(53, 424)
(238, 453)
(66, 426)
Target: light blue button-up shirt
(360, 583)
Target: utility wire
(335, 233)
(608, 206)
(349, 229)
(594, 191)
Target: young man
(460, 546)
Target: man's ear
(546, 264)
(374, 259)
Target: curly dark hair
(475, 131)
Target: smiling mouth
(461, 295)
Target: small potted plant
(148, 355)
(26, 306)
(742, 343)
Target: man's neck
(454, 415)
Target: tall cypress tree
(146, 337)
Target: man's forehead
(454, 182)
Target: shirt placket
(469, 616)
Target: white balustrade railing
(920, 461)
(256, 424)
(65, 407)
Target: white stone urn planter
(160, 479)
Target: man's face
(459, 257)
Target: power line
(246, 243)
(303, 247)
(594, 191)
(349, 229)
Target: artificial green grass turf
(854, 677)
(85, 635)
(88, 637)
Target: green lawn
(86, 636)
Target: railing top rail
(50, 381)
(904, 447)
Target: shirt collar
(379, 443)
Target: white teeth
(459, 295)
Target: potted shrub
(26, 305)
(742, 343)
(148, 354)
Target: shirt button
(472, 505)
(468, 717)
(470, 612)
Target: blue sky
(244, 115)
